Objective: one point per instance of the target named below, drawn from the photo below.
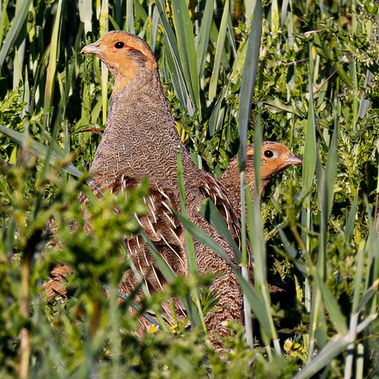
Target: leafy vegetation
(314, 86)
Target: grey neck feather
(140, 138)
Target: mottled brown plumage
(275, 157)
(140, 140)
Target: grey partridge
(140, 140)
(275, 158)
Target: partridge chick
(140, 140)
(275, 158)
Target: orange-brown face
(123, 53)
(275, 157)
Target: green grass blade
(256, 238)
(219, 49)
(217, 115)
(173, 58)
(209, 211)
(177, 79)
(248, 78)
(292, 252)
(186, 48)
(52, 66)
(13, 32)
(309, 159)
(170, 275)
(326, 355)
(350, 219)
(129, 17)
(254, 299)
(331, 170)
(104, 16)
(334, 311)
(203, 38)
(40, 150)
(190, 249)
(309, 166)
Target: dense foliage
(316, 90)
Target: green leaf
(40, 150)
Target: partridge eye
(119, 45)
(268, 154)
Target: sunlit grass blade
(52, 66)
(186, 47)
(203, 37)
(249, 78)
(85, 14)
(19, 56)
(4, 20)
(13, 32)
(309, 166)
(214, 217)
(336, 345)
(245, 97)
(103, 19)
(173, 59)
(190, 247)
(129, 17)
(175, 74)
(274, 15)
(219, 49)
(350, 219)
(256, 238)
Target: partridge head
(126, 56)
(275, 157)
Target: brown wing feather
(164, 230)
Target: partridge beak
(92, 48)
(293, 160)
